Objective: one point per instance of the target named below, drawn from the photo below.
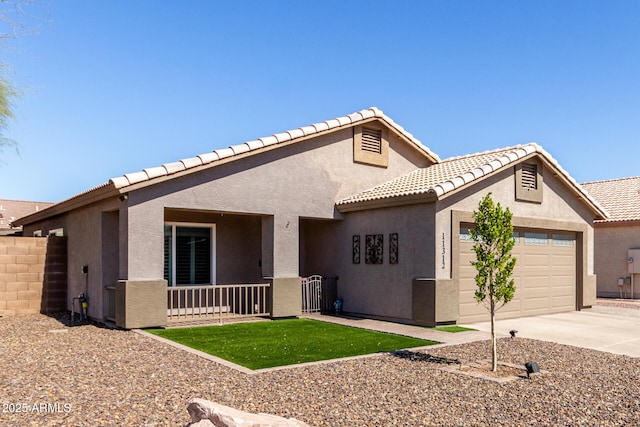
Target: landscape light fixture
(513, 333)
(532, 368)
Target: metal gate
(312, 294)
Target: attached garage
(545, 275)
(552, 218)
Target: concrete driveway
(604, 329)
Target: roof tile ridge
(149, 173)
(506, 158)
(602, 181)
(572, 180)
(378, 113)
(384, 184)
(496, 150)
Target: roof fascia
(91, 196)
(402, 134)
(410, 199)
(617, 223)
(601, 213)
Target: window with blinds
(187, 255)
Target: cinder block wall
(25, 275)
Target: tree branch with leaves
(12, 14)
(7, 93)
(493, 243)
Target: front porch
(218, 266)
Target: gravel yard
(92, 376)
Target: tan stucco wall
(283, 185)
(611, 250)
(318, 245)
(385, 290)
(88, 236)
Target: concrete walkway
(611, 325)
(444, 338)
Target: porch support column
(280, 264)
(141, 303)
(434, 302)
(123, 240)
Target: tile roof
(211, 158)
(621, 197)
(453, 173)
(13, 209)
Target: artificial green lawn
(453, 328)
(260, 345)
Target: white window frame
(56, 232)
(212, 227)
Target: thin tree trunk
(494, 349)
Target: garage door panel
(515, 307)
(537, 303)
(533, 293)
(545, 277)
(467, 285)
(532, 283)
(474, 311)
(563, 282)
(535, 260)
(563, 301)
(564, 291)
(563, 260)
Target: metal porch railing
(185, 303)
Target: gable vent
(371, 140)
(530, 176)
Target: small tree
(12, 13)
(493, 237)
(7, 92)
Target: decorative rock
(201, 410)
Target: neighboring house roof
(10, 210)
(621, 197)
(130, 181)
(439, 180)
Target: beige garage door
(545, 276)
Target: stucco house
(356, 197)
(617, 238)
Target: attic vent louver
(530, 176)
(371, 140)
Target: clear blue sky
(111, 87)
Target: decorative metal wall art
(374, 248)
(393, 248)
(356, 249)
